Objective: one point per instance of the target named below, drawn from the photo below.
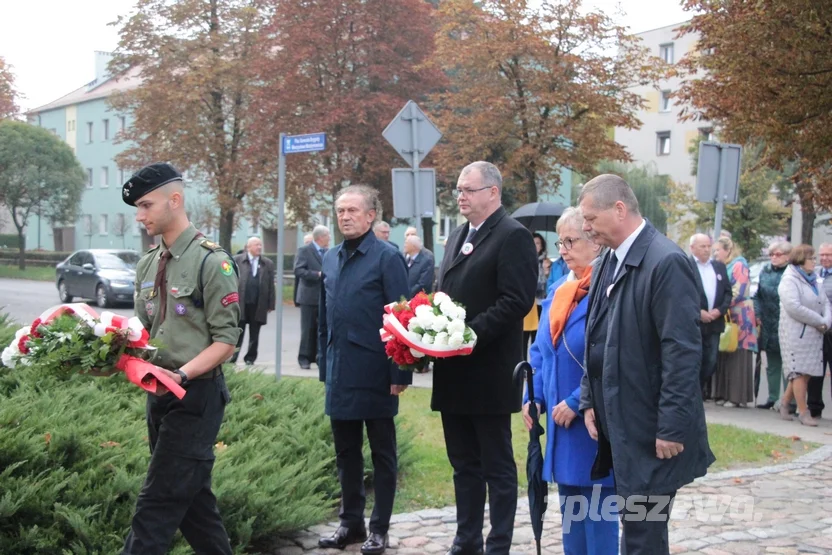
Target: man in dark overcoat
(490, 267)
(256, 284)
(640, 393)
(360, 276)
(308, 263)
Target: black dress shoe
(304, 365)
(459, 550)
(343, 537)
(375, 544)
(768, 405)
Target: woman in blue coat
(589, 526)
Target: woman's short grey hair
(783, 246)
(572, 217)
(370, 194)
(490, 174)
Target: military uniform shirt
(194, 319)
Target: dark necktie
(471, 232)
(609, 274)
(160, 285)
(408, 260)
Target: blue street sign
(304, 143)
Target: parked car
(106, 275)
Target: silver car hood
(118, 275)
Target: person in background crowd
(382, 231)
(714, 299)
(532, 319)
(734, 378)
(557, 270)
(490, 268)
(805, 317)
(557, 359)
(767, 312)
(308, 271)
(306, 240)
(410, 231)
(420, 266)
(256, 285)
(360, 277)
(815, 393)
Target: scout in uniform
(186, 296)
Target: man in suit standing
(640, 393)
(714, 299)
(420, 266)
(490, 267)
(308, 273)
(256, 285)
(360, 276)
(382, 232)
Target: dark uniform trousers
(643, 532)
(249, 310)
(308, 348)
(348, 437)
(177, 490)
(480, 452)
(814, 399)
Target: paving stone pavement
(785, 509)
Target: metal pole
(720, 192)
(414, 135)
(281, 194)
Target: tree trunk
(531, 185)
(227, 229)
(21, 261)
(807, 228)
(427, 231)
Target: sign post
(413, 135)
(718, 177)
(289, 144)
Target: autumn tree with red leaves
(193, 107)
(763, 74)
(8, 94)
(343, 67)
(535, 89)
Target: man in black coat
(256, 285)
(420, 266)
(360, 277)
(308, 273)
(490, 267)
(714, 299)
(640, 392)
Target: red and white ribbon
(394, 329)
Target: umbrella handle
(524, 371)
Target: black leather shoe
(766, 406)
(459, 550)
(343, 537)
(304, 365)
(375, 544)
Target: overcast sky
(50, 43)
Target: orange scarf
(567, 297)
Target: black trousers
(349, 459)
(249, 311)
(815, 388)
(480, 452)
(177, 490)
(710, 351)
(644, 524)
(308, 350)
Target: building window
(102, 225)
(254, 227)
(665, 102)
(706, 134)
(122, 123)
(105, 176)
(666, 52)
(444, 227)
(105, 132)
(121, 176)
(89, 132)
(89, 178)
(663, 143)
(86, 224)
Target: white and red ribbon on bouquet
(392, 328)
(139, 372)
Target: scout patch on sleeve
(226, 268)
(230, 298)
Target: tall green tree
(650, 187)
(758, 214)
(193, 107)
(38, 173)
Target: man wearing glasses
(490, 267)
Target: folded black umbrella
(539, 216)
(538, 489)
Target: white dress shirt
(255, 262)
(622, 250)
(708, 275)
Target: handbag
(729, 339)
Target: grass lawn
(429, 484)
(40, 273)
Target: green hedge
(40, 256)
(73, 456)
